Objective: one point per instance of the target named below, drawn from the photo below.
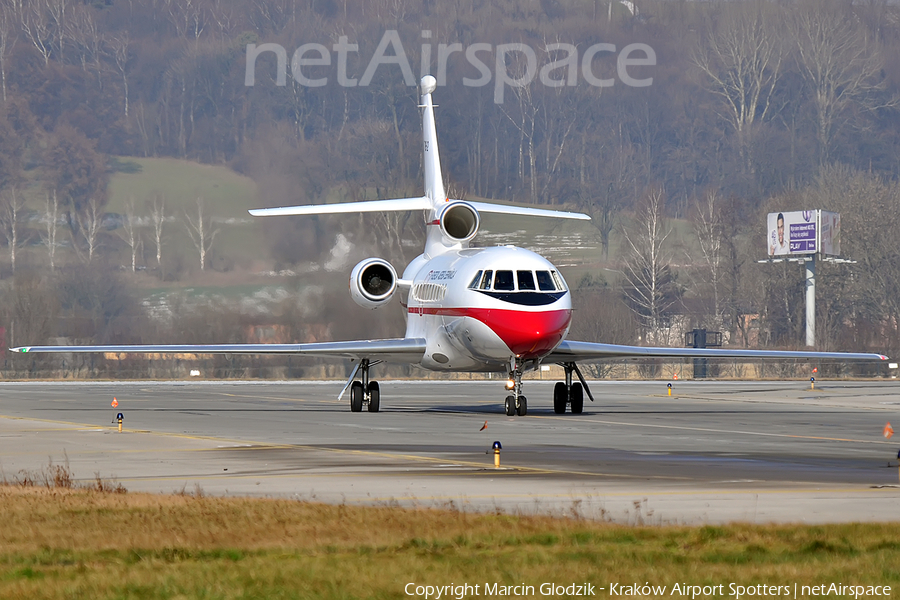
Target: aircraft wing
(572, 351)
(402, 350)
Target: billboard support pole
(811, 301)
(806, 242)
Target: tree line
(754, 106)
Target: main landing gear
(570, 393)
(365, 391)
(516, 403)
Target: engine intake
(372, 282)
(460, 221)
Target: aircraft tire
(510, 406)
(577, 398)
(559, 398)
(356, 396)
(522, 410)
(374, 397)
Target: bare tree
(7, 41)
(158, 219)
(840, 68)
(709, 230)
(742, 60)
(37, 28)
(650, 285)
(51, 222)
(58, 12)
(89, 42)
(201, 231)
(11, 206)
(187, 16)
(602, 317)
(90, 221)
(129, 233)
(119, 52)
(32, 309)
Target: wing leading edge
(401, 350)
(573, 351)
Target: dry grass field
(57, 541)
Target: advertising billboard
(803, 232)
(792, 233)
(830, 232)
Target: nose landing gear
(516, 403)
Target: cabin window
(544, 281)
(504, 281)
(475, 280)
(429, 292)
(526, 280)
(486, 280)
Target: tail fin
(434, 181)
(435, 198)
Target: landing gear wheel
(374, 397)
(356, 397)
(577, 398)
(510, 406)
(522, 410)
(559, 398)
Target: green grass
(77, 544)
(226, 193)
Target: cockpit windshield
(545, 282)
(526, 280)
(504, 281)
(522, 281)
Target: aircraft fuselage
(483, 309)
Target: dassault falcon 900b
(501, 309)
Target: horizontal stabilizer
(400, 204)
(503, 209)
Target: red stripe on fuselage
(527, 334)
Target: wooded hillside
(752, 106)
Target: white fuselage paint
(483, 330)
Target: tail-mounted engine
(372, 282)
(459, 222)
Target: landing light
(510, 384)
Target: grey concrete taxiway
(713, 452)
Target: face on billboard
(792, 233)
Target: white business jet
(501, 309)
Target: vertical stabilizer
(434, 181)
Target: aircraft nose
(532, 334)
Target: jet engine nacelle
(372, 282)
(460, 221)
